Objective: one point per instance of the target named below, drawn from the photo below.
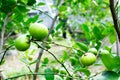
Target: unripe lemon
(88, 59)
(38, 31)
(22, 43)
(93, 50)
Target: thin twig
(8, 35)
(5, 53)
(29, 68)
(54, 57)
(44, 44)
(11, 78)
(3, 76)
(94, 75)
(71, 47)
(43, 13)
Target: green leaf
(110, 61)
(79, 53)
(7, 5)
(41, 4)
(112, 38)
(65, 55)
(23, 1)
(32, 52)
(22, 8)
(97, 33)
(17, 16)
(73, 60)
(35, 18)
(62, 8)
(53, 31)
(33, 62)
(82, 46)
(49, 74)
(3, 61)
(58, 2)
(58, 77)
(108, 75)
(95, 3)
(45, 61)
(40, 21)
(10, 41)
(32, 20)
(86, 30)
(84, 70)
(59, 25)
(24, 60)
(31, 2)
(99, 43)
(119, 73)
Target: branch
(11, 78)
(117, 46)
(5, 53)
(115, 18)
(43, 13)
(1, 74)
(94, 75)
(58, 44)
(29, 68)
(41, 51)
(6, 20)
(54, 57)
(8, 35)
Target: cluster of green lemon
(37, 31)
(89, 58)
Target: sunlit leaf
(45, 61)
(62, 8)
(110, 61)
(112, 38)
(41, 4)
(84, 70)
(24, 60)
(59, 25)
(33, 62)
(82, 46)
(49, 74)
(108, 75)
(97, 33)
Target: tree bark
(115, 18)
(6, 20)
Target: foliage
(81, 25)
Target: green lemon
(88, 59)
(38, 31)
(93, 50)
(22, 43)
